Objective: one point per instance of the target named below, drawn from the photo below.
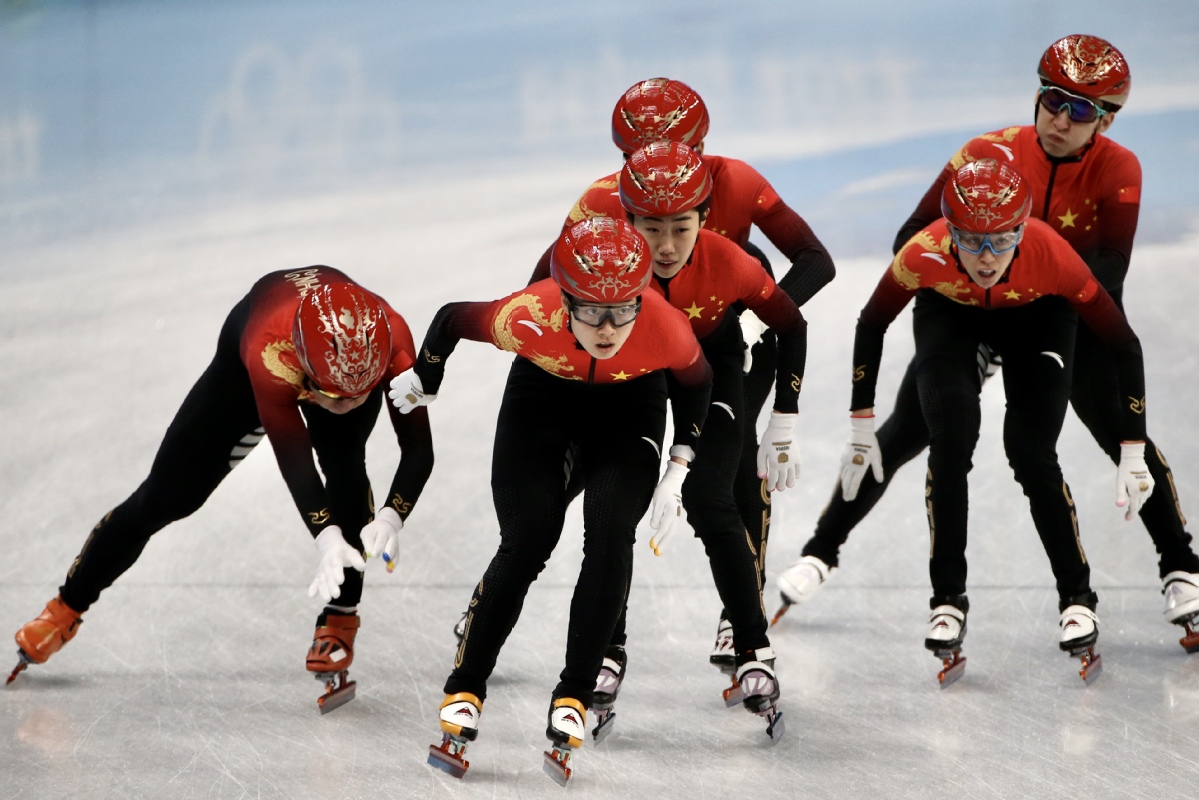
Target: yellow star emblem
(619, 376)
(694, 311)
(1068, 220)
(1012, 294)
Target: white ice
(155, 159)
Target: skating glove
(336, 555)
(752, 329)
(407, 393)
(778, 455)
(382, 536)
(861, 453)
(1134, 484)
(667, 504)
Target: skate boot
(799, 582)
(1080, 631)
(330, 656)
(1182, 605)
(946, 631)
(459, 718)
(45, 635)
(607, 686)
(722, 651)
(758, 688)
(460, 627)
(565, 729)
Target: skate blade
(338, 692)
(782, 610)
(605, 718)
(1190, 642)
(555, 765)
(452, 765)
(954, 666)
(774, 723)
(733, 696)
(1092, 664)
(19, 668)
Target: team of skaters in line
(654, 298)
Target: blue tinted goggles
(997, 243)
(1053, 99)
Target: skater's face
(334, 404)
(605, 340)
(671, 239)
(1060, 133)
(986, 268)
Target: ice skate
(460, 627)
(330, 656)
(459, 718)
(45, 635)
(1182, 606)
(799, 582)
(565, 729)
(722, 651)
(607, 686)
(758, 689)
(1080, 631)
(946, 631)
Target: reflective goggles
(975, 243)
(1053, 99)
(595, 316)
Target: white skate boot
(798, 582)
(460, 627)
(459, 719)
(565, 730)
(722, 651)
(1182, 605)
(760, 689)
(607, 686)
(946, 631)
(1080, 631)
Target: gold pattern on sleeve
(271, 359)
(859, 373)
(502, 327)
(559, 366)
(1137, 405)
(319, 517)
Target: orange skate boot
(44, 636)
(330, 657)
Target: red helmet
(1089, 66)
(986, 196)
(342, 338)
(664, 178)
(601, 260)
(656, 110)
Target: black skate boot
(946, 631)
(607, 686)
(565, 728)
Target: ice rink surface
(157, 158)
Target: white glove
(407, 392)
(1134, 484)
(667, 504)
(752, 329)
(381, 537)
(778, 455)
(336, 555)
(861, 451)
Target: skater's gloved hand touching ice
(407, 393)
(336, 555)
(778, 454)
(752, 329)
(861, 453)
(381, 537)
(1134, 484)
(667, 504)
